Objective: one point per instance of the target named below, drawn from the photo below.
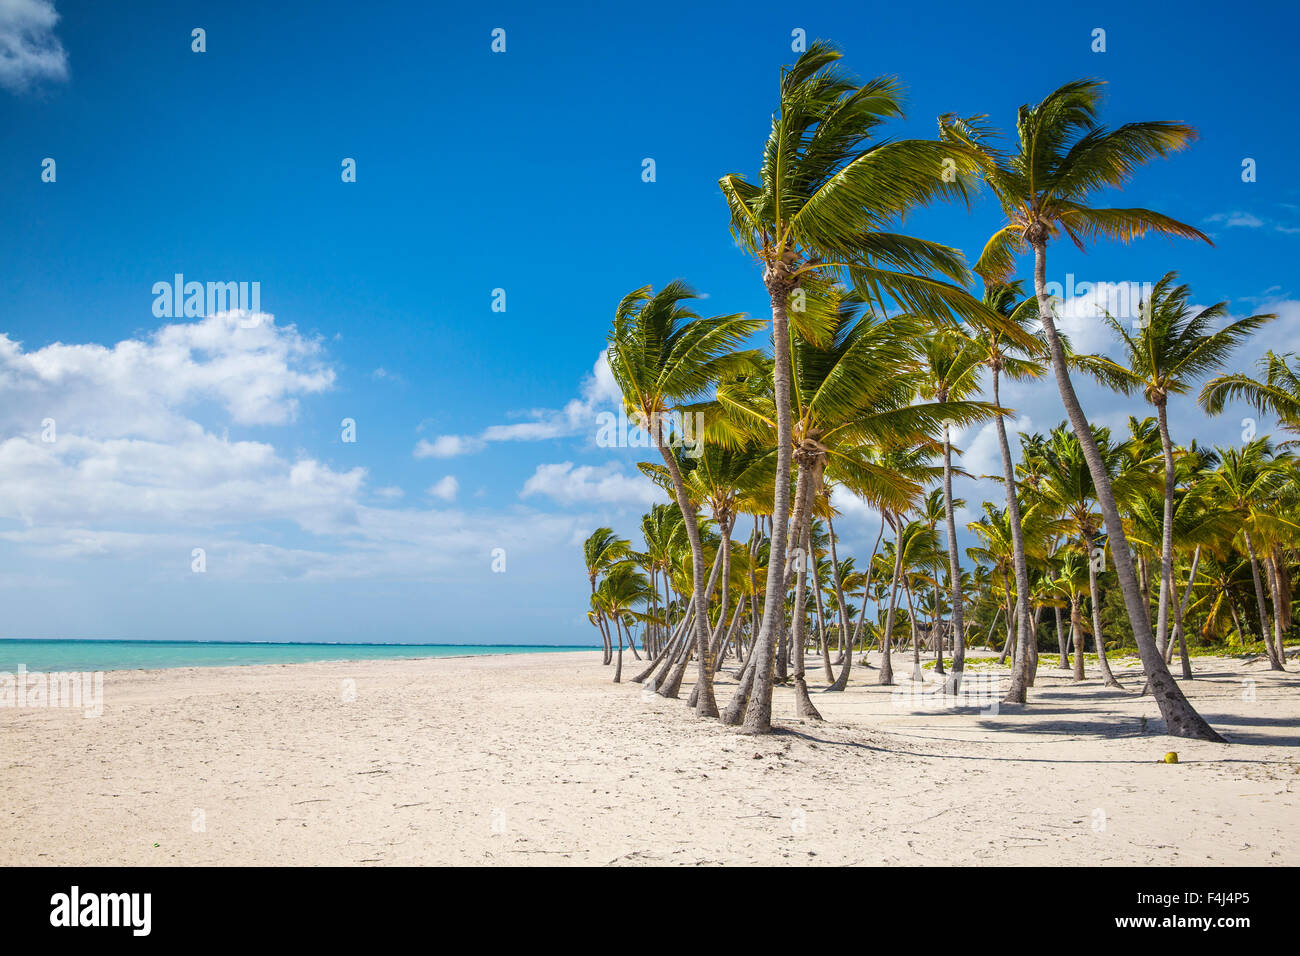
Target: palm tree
(1278, 391)
(1063, 156)
(601, 550)
(662, 355)
(825, 197)
(1174, 345)
(622, 588)
(1005, 356)
(952, 363)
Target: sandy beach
(540, 759)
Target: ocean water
(148, 655)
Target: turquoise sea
(147, 655)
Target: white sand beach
(539, 759)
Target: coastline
(538, 758)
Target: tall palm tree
(1018, 361)
(823, 205)
(1044, 186)
(952, 363)
(662, 356)
(1174, 345)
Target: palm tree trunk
(953, 684)
(839, 595)
(886, 638)
(673, 684)
(1166, 534)
(1031, 669)
(823, 640)
(1181, 719)
(803, 705)
(618, 671)
(918, 675)
(1061, 640)
(756, 707)
(1274, 663)
(1076, 629)
(1097, 636)
(604, 631)
(1178, 617)
(707, 706)
(846, 663)
(663, 657)
(1180, 608)
(1013, 621)
(1275, 590)
(1020, 665)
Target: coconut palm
(951, 363)
(1062, 157)
(1174, 345)
(824, 202)
(1277, 391)
(662, 356)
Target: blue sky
(476, 171)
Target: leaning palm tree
(825, 201)
(1044, 187)
(1173, 346)
(601, 550)
(1018, 361)
(727, 480)
(662, 356)
(622, 588)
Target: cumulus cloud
(121, 452)
(583, 484)
(30, 53)
(598, 392)
(445, 488)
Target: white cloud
(132, 473)
(445, 488)
(598, 392)
(446, 446)
(585, 484)
(30, 53)
(1236, 220)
